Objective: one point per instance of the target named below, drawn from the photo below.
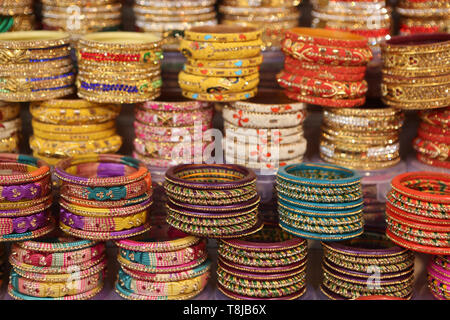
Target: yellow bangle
(35, 69)
(74, 129)
(73, 112)
(9, 145)
(45, 94)
(228, 63)
(9, 110)
(222, 34)
(202, 84)
(221, 50)
(233, 96)
(68, 149)
(220, 72)
(85, 136)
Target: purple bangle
(348, 278)
(263, 275)
(24, 224)
(236, 296)
(249, 177)
(199, 210)
(103, 236)
(281, 269)
(266, 246)
(370, 237)
(439, 273)
(28, 191)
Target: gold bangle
(26, 40)
(220, 72)
(229, 63)
(262, 3)
(68, 149)
(370, 138)
(222, 34)
(73, 112)
(9, 110)
(74, 129)
(85, 136)
(276, 17)
(260, 11)
(220, 51)
(202, 84)
(9, 145)
(35, 68)
(120, 42)
(146, 95)
(106, 75)
(23, 85)
(234, 96)
(43, 94)
(95, 25)
(176, 18)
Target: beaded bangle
(32, 169)
(83, 296)
(229, 63)
(326, 102)
(232, 96)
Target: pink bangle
(168, 134)
(154, 162)
(181, 105)
(173, 119)
(165, 150)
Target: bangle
(61, 149)
(74, 129)
(27, 40)
(71, 112)
(220, 72)
(9, 110)
(172, 118)
(29, 169)
(344, 103)
(229, 63)
(144, 132)
(326, 89)
(232, 96)
(220, 51)
(326, 72)
(222, 34)
(168, 150)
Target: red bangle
(440, 138)
(434, 129)
(326, 55)
(404, 29)
(325, 72)
(432, 150)
(323, 88)
(433, 162)
(414, 217)
(365, 33)
(439, 179)
(342, 103)
(405, 219)
(438, 117)
(323, 37)
(415, 246)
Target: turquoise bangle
(322, 206)
(318, 213)
(340, 176)
(319, 236)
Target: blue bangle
(326, 174)
(320, 205)
(320, 236)
(317, 213)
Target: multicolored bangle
(175, 268)
(57, 268)
(322, 213)
(105, 181)
(417, 211)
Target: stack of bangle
(367, 265)
(119, 67)
(16, 15)
(361, 138)
(25, 198)
(418, 212)
(162, 126)
(416, 71)
(324, 67)
(35, 65)
(424, 16)
(213, 201)
(320, 201)
(57, 269)
(70, 127)
(176, 268)
(81, 16)
(170, 19)
(273, 17)
(270, 264)
(2, 264)
(10, 127)
(432, 143)
(104, 196)
(266, 132)
(222, 63)
(439, 277)
(370, 19)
